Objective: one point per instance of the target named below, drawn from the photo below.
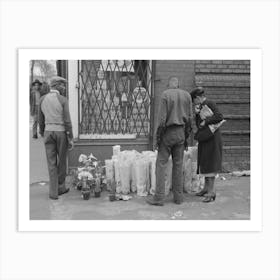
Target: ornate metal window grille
(115, 98)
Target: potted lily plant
(86, 175)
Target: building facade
(116, 102)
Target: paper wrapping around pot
(141, 167)
(109, 169)
(116, 150)
(153, 175)
(124, 168)
(193, 153)
(117, 174)
(150, 157)
(168, 176)
(124, 172)
(109, 172)
(187, 172)
(192, 181)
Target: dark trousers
(35, 121)
(56, 150)
(172, 143)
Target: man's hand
(70, 144)
(157, 145)
(186, 145)
(197, 109)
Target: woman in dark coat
(209, 158)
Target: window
(115, 98)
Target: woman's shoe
(209, 197)
(201, 193)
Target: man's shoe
(35, 136)
(54, 198)
(178, 202)
(152, 201)
(60, 192)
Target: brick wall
(237, 158)
(223, 66)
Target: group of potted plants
(89, 177)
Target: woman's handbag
(206, 132)
(203, 134)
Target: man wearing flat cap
(56, 128)
(35, 96)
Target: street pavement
(232, 203)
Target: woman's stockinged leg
(205, 188)
(211, 193)
(211, 184)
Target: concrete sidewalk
(37, 159)
(232, 203)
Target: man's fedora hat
(36, 82)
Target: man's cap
(57, 80)
(36, 82)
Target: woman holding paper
(209, 159)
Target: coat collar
(54, 91)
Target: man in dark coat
(35, 96)
(175, 114)
(56, 128)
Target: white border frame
(255, 222)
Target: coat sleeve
(67, 119)
(190, 109)
(41, 118)
(162, 115)
(30, 98)
(197, 120)
(217, 115)
(188, 122)
(32, 103)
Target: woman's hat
(36, 82)
(198, 91)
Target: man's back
(175, 112)
(54, 113)
(178, 106)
